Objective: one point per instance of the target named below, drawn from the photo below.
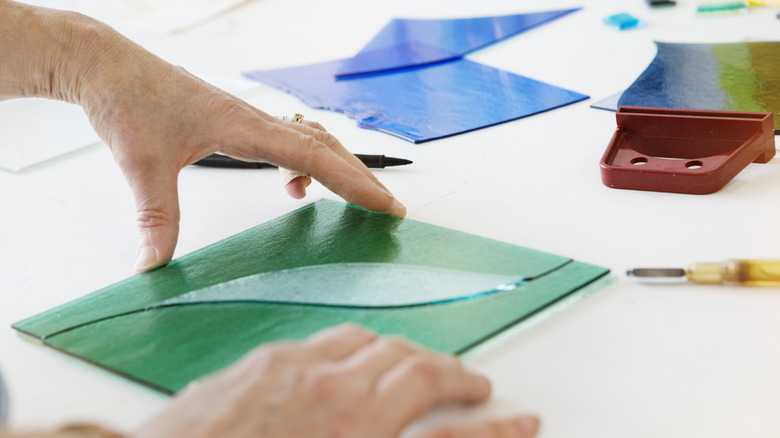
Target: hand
(343, 382)
(157, 118)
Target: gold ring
(297, 118)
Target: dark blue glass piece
(406, 42)
(423, 103)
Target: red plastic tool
(684, 151)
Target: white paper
(36, 131)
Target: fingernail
(147, 258)
(528, 424)
(398, 209)
(295, 190)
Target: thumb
(157, 206)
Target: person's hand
(157, 118)
(343, 382)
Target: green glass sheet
(321, 265)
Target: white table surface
(629, 361)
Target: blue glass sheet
(408, 43)
(423, 103)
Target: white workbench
(628, 361)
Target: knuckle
(320, 140)
(350, 330)
(327, 139)
(274, 356)
(152, 217)
(396, 343)
(310, 151)
(424, 372)
(315, 144)
(328, 385)
(316, 125)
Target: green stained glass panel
(322, 265)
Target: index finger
(320, 155)
(338, 148)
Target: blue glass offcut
(413, 42)
(423, 103)
(624, 21)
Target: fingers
(352, 181)
(336, 146)
(330, 345)
(403, 379)
(401, 371)
(380, 356)
(295, 183)
(321, 135)
(422, 382)
(315, 152)
(339, 342)
(517, 427)
(348, 381)
(157, 206)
